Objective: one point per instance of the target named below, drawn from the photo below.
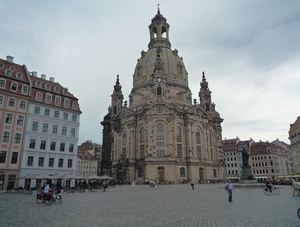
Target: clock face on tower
(158, 79)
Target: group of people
(153, 184)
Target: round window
(159, 109)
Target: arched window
(142, 135)
(215, 172)
(124, 138)
(178, 134)
(198, 140)
(115, 110)
(159, 131)
(182, 172)
(207, 107)
(159, 91)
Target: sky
(249, 51)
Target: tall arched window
(142, 141)
(160, 146)
(178, 134)
(215, 172)
(182, 172)
(142, 135)
(159, 91)
(124, 137)
(198, 142)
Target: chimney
(34, 74)
(51, 79)
(10, 59)
(43, 76)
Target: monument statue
(245, 157)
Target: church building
(162, 133)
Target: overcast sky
(249, 51)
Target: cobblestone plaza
(169, 205)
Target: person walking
(192, 184)
(229, 188)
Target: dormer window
(47, 86)
(13, 87)
(1, 65)
(19, 76)
(56, 89)
(38, 84)
(7, 72)
(65, 91)
(12, 68)
(38, 96)
(57, 101)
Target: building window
(45, 127)
(178, 134)
(124, 152)
(48, 98)
(48, 86)
(52, 146)
(17, 138)
(62, 147)
(56, 89)
(8, 118)
(5, 137)
(30, 161)
(13, 87)
(38, 84)
(20, 120)
(51, 162)
(22, 105)
(182, 172)
(60, 162)
(47, 112)
(67, 103)
(37, 110)
(159, 131)
(142, 135)
(14, 158)
(160, 149)
(56, 114)
(43, 145)
(215, 172)
(65, 116)
(179, 151)
(1, 99)
(41, 161)
(75, 106)
(159, 91)
(3, 156)
(72, 132)
(198, 140)
(140, 172)
(11, 102)
(38, 96)
(64, 131)
(57, 101)
(54, 129)
(71, 147)
(2, 83)
(74, 117)
(70, 162)
(7, 72)
(35, 125)
(24, 89)
(142, 151)
(199, 153)
(124, 138)
(32, 143)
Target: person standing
(192, 184)
(295, 188)
(229, 188)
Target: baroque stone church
(162, 134)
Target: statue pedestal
(247, 179)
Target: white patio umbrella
(105, 177)
(72, 176)
(28, 176)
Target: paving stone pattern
(168, 206)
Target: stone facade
(162, 134)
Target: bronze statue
(245, 157)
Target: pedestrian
(229, 188)
(295, 188)
(192, 184)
